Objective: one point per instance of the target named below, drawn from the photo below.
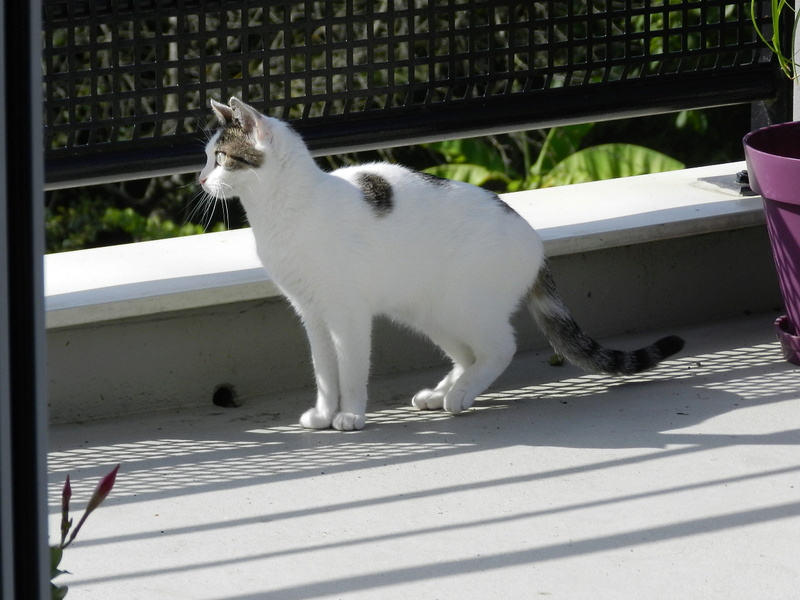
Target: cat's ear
(252, 122)
(224, 113)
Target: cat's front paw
(428, 400)
(313, 419)
(345, 421)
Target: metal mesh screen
(127, 82)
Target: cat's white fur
(447, 260)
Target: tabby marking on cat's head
(235, 150)
(235, 145)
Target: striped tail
(571, 342)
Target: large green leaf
(476, 151)
(608, 161)
(561, 142)
(475, 174)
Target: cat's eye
(220, 158)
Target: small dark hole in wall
(225, 396)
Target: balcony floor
(682, 483)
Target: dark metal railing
(127, 82)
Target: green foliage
(56, 592)
(130, 212)
(90, 222)
(560, 143)
(472, 160)
(150, 227)
(694, 120)
(607, 161)
(561, 161)
(775, 41)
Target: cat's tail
(572, 343)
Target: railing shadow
(647, 418)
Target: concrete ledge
(635, 210)
(134, 280)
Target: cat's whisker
(203, 208)
(254, 172)
(222, 200)
(194, 206)
(226, 218)
(223, 207)
(208, 213)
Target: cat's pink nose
(202, 180)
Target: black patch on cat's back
(377, 192)
(502, 204)
(434, 180)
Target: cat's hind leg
(493, 353)
(462, 357)
(428, 399)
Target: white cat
(445, 258)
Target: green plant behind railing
(561, 161)
(277, 68)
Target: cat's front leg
(351, 332)
(316, 418)
(326, 373)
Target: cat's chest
(295, 256)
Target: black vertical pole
(6, 514)
(23, 419)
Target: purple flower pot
(773, 165)
(790, 343)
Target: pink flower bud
(66, 522)
(102, 490)
(66, 494)
(100, 493)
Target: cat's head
(237, 150)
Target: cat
(447, 259)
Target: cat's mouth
(214, 189)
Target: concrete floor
(683, 483)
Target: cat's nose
(203, 180)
